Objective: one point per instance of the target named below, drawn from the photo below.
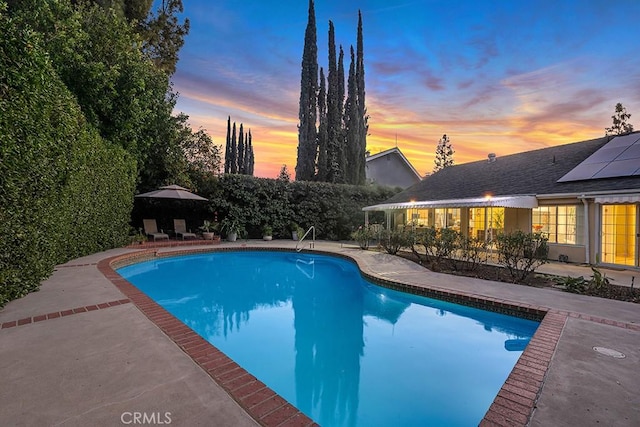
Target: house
(584, 196)
(391, 168)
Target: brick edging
(517, 398)
(62, 313)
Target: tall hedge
(64, 192)
(334, 209)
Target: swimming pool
(342, 350)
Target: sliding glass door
(619, 234)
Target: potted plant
(296, 231)
(232, 227)
(139, 237)
(208, 229)
(267, 232)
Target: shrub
(472, 252)
(521, 253)
(393, 240)
(334, 209)
(439, 246)
(64, 192)
(363, 236)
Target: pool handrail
(312, 245)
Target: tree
(202, 155)
(284, 174)
(307, 134)
(444, 154)
(620, 125)
(134, 10)
(241, 150)
(341, 83)
(323, 168)
(363, 118)
(335, 144)
(163, 35)
(227, 151)
(352, 125)
(249, 159)
(233, 154)
(330, 156)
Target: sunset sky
(500, 76)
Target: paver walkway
(80, 352)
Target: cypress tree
(335, 153)
(233, 166)
(307, 134)
(341, 131)
(249, 156)
(341, 83)
(363, 119)
(352, 126)
(241, 151)
(247, 149)
(322, 130)
(227, 151)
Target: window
(438, 217)
(563, 224)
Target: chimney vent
(492, 157)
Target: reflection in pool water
(344, 351)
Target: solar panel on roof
(623, 141)
(632, 152)
(583, 171)
(617, 158)
(618, 168)
(605, 154)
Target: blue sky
(496, 76)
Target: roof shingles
(529, 173)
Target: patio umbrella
(171, 192)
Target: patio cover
(525, 202)
(171, 192)
(618, 198)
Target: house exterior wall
(390, 170)
(574, 253)
(590, 232)
(516, 219)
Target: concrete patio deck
(80, 352)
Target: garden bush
(521, 253)
(64, 192)
(363, 236)
(472, 252)
(446, 249)
(394, 240)
(335, 210)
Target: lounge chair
(151, 230)
(180, 227)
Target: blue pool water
(344, 351)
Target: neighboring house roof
(530, 173)
(388, 173)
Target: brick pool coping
(513, 405)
